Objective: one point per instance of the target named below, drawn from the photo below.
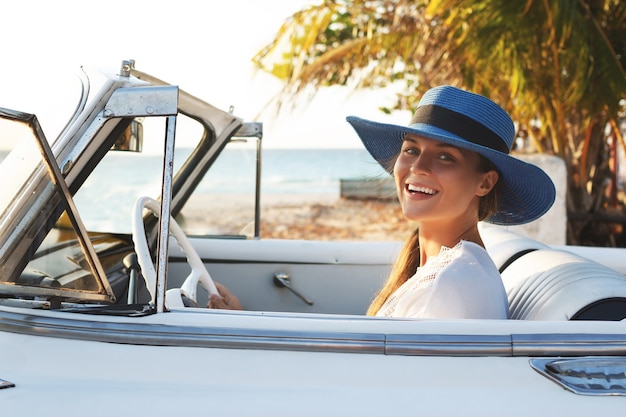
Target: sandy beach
(309, 217)
(335, 219)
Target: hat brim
(527, 192)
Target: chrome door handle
(282, 280)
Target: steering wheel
(173, 297)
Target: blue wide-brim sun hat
(473, 122)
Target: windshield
(19, 163)
(69, 263)
(64, 264)
(106, 198)
(108, 156)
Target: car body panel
(305, 351)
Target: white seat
(543, 283)
(505, 246)
(551, 284)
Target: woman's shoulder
(471, 256)
(470, 286)
(475, 250)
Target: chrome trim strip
(545, 345)
(569, 344)
(190, 336)
(255, 130)
(165, 210)
(82, 102)
(448, 345)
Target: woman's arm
(227, 301)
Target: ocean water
(299, 171)
(284, 171)
(105, 200)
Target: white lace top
(461, 282)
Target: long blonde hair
(409, 257)
(404, 268)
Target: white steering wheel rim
(198, 270)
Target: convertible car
(104, 278)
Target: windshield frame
(83, 143)
(55, 177)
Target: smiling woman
(452, 170)
(444, 181)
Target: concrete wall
(551, 228)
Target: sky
(205, 47)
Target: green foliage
(556, 65)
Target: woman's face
(439, 182)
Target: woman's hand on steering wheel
(198, 274)
(225, 301)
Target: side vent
(585, 376)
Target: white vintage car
(106, 322)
